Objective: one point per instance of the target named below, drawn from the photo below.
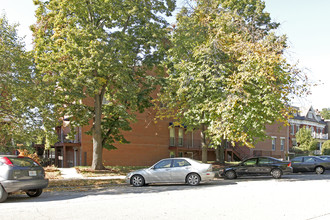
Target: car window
(23, 162)
(250, 162)
(163, 164)
(180, 163)
(297, 160)
(309, 159)
(263, 161)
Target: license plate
(32, 173)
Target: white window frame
(172, 136)
(180, 137)
(282, 143)
(292, 129)
(274, 143)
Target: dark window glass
(265, 161)
(180, 163)
(23, 162)
(163, 164)
(250, 162)
(309, 160)
(297, 160)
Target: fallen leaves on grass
(81, 184)
(52, 172)
(109, 171)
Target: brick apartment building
(152, 141)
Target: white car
(172, 170)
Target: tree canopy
(100, 50)
(305, 140)
(227, 73)
(325, 113)
(19, 122)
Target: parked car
(257, 166)
(21, 174)
(309, 164)
(172, 170)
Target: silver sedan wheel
(137, 180)
(319, 170)
(193, 179)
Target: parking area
(298, 196)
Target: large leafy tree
(305, 140)
(19, 121)
(101, 50)
(227, 74)
(325, 113)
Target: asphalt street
(301, 197)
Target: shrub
(326, 148)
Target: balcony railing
(319, 135)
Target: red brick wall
(279, 131)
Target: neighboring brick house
(152, 141)
(278, 144)
(283, 139)
(310, 118)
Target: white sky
(305, 22)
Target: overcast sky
(305, 22)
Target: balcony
(319, 135)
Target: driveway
(301, 197)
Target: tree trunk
(97, 135)
(220, 152)
(204, 145)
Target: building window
(282, 143)
(292, 129)
(273, 143)
(297, 128)
(310, 115)
(180, 141)
(172, 136)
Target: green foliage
(325, 113)
(305, 140)
(326, 148)
(19, 118)
(227, 71)
(100, 51)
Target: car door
(161, 172)
(180, 170)
(309, 163)
(248, 167)
(297, 164)
(264, 165)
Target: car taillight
(289, 165)
(6, 161)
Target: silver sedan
(172, 170)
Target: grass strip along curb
(81, 184)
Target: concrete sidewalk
(71, 173)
